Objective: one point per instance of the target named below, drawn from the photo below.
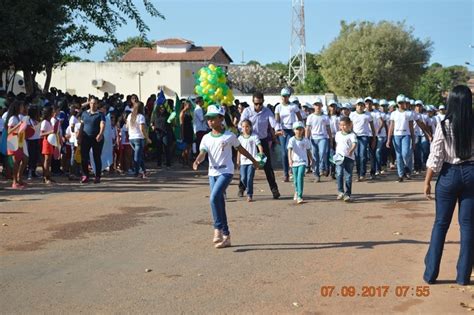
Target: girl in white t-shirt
(12, 126)
(138, 136)
(251, 143)
(47, 149)
(218, 145)
(299, 157)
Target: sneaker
(97, 180)
(286, 179)
(333, 176)
(372, 177)
(249, 199)
(240, 193)
(84, 179)
(407, 176)
(217, 236)
(377, 173)
(30, 176)
(299, 200)
(295, 196)
(382, 172)
(326, 173)
(276, 194)
(317, 179)
(360, 179)
(17, 186)
(225, 242)
(347, 198)
(400, 180)
(340, 196)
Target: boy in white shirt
(299, 154)
(218, 144)
(346, 144)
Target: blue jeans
(361, 155)
(455, 185)
(344, 174)
(372, 156)
(138, 145)
(425, 151)
(403, 151)
(218, 186)
(247, 173)
(319, 150)
(418, 154)
(287, 134)
(380, 153)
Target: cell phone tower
(297, 64)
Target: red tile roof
(193, 54)
(173, 41)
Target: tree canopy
(380, 60)
(437, 81)
(119, 50)
(37, 34)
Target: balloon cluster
(211, 84)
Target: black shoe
(407, 176)
(276, 194)
(240, 193)
(400, 180)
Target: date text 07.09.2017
(375, 291)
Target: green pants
(298, 178)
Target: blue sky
(262, 28)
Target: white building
(170, 65)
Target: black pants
(163, 143)
(267, 168)
(87, 143)
(34, 154)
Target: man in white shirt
(378, 123)
(363, 127)
(401, 129)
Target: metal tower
(297, 64)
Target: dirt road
(85, 249)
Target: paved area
(85, 249)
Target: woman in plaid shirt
(452, 156)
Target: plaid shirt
(442, 150)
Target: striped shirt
(443, 150)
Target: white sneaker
(217, 236)
(225, 242)
(347, 198)
(340, 196)
(299, 200)
(295, 196)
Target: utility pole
(297, 64)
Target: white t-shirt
(287, 115)
(386, 118)
(219, 152)
(318, 125)
(361, 126)
(439, 117)
(334, 123)
(300, 150)
(250, 144)
(199, 122)
(376, 116)
(134, 131)
(36, 135)
(73, 121)
(46, 126)
(344, 142)
(402, 122)
(13, 121)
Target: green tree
(278, 66)
(253, 63)
(314, 81)
(437, 81)
(380, 60)
(119, 50)
(37, 34)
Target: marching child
(346, 144)
(249, 142)
(299, 155)
(47, 149)
(218, 145)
